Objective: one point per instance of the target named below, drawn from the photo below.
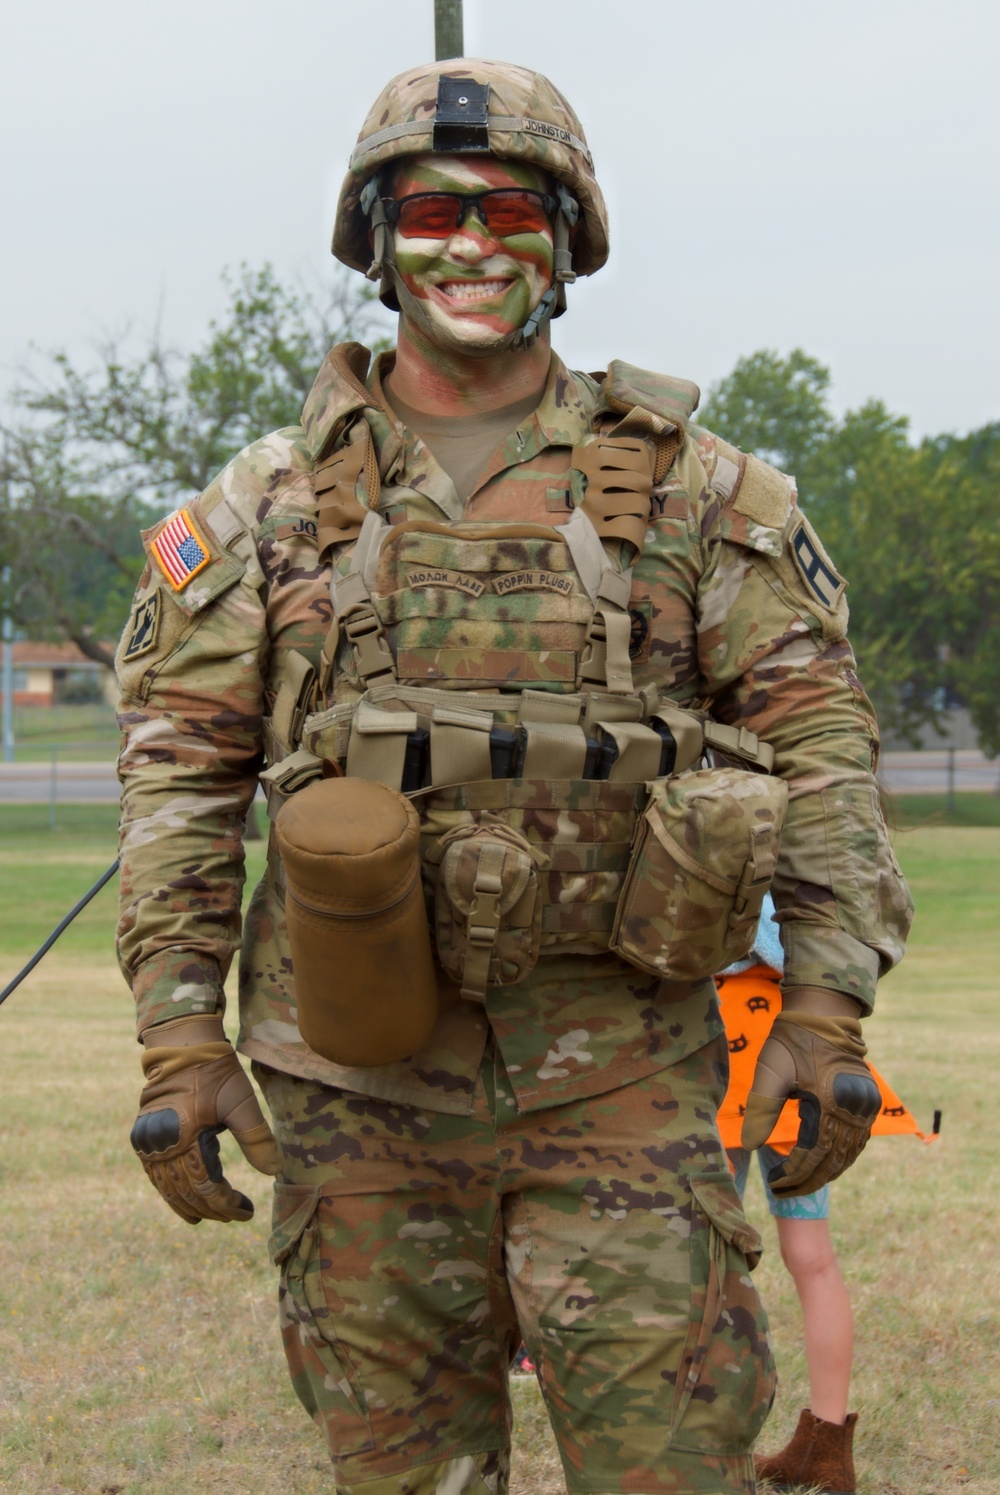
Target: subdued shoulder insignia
(815, 567)
(180, 550)
(143, 628)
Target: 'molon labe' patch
(144, 627)
(180, 550)
(816, 568)
(532, 581)
(439, 576)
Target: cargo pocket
(323, 1374)
(726, 1382)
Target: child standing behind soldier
(820, 1452)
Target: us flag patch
(180, 550)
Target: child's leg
(807, 1251)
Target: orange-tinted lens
(433, 215)
(438, 215)
(514, 212)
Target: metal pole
(8, 679)
(53, 789)
(950, 801)
(448, 40)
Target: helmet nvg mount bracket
(463, 106)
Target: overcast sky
(779, 173)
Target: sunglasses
(503, 213)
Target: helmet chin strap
(394, 294)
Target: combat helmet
(464, 106)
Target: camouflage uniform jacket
(734, 605)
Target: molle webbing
(583, 829)
(619, 473)
(482, 605)
(339, 512)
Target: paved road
(70, 784)
(95, 783)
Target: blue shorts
(801, 1207)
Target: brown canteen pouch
(702, 860)
(488, 905)
(365, 983)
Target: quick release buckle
(461, 122)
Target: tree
(775, 407)
(93, 455)
(913, 527)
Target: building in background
(52, 674)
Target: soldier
(532, 600)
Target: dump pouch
(488, 906)
(702, 860)
(365, 984)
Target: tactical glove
(817, 1059)
(195, 1088)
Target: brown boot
(819, 1457)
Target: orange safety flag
(750, 1002)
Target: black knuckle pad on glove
(156, 1131)
(858, 1095)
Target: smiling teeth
(473, 290)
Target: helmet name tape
(461, 121)
(508, 123)
(553, 132)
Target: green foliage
(95, 454)
(914, 527)
(775, 407)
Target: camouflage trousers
(417, 1249)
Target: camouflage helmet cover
(529, 120)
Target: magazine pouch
(702, 860)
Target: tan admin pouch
(365, 985)
(703, 858)
(488, 906)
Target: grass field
(81, 734)
(139, 1355)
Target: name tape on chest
(180, 551)
(302, 528)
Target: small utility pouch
(366, 991)
(488, 906)
(703, 858)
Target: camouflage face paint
(471, 291)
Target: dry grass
(137, 1354)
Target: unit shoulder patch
(143, 628)
(823, 582)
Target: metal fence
(58, 778)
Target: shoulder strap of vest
(334, 423)
(637, 427)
